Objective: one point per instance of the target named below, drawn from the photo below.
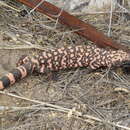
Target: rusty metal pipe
(84, 29)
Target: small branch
(2, 3)
(34, 101)
(123, 8)
(70, 112)
(106, 122)
(110, 21)
(97, 13)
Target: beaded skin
(65, 58)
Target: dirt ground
(69, 99)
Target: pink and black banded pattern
(65, 58)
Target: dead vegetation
(69, 99)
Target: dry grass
(69, 99)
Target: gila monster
(64, 58)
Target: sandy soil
(104, 95)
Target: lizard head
(120, 57)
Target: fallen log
(84, 29)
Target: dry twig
(66, 110)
